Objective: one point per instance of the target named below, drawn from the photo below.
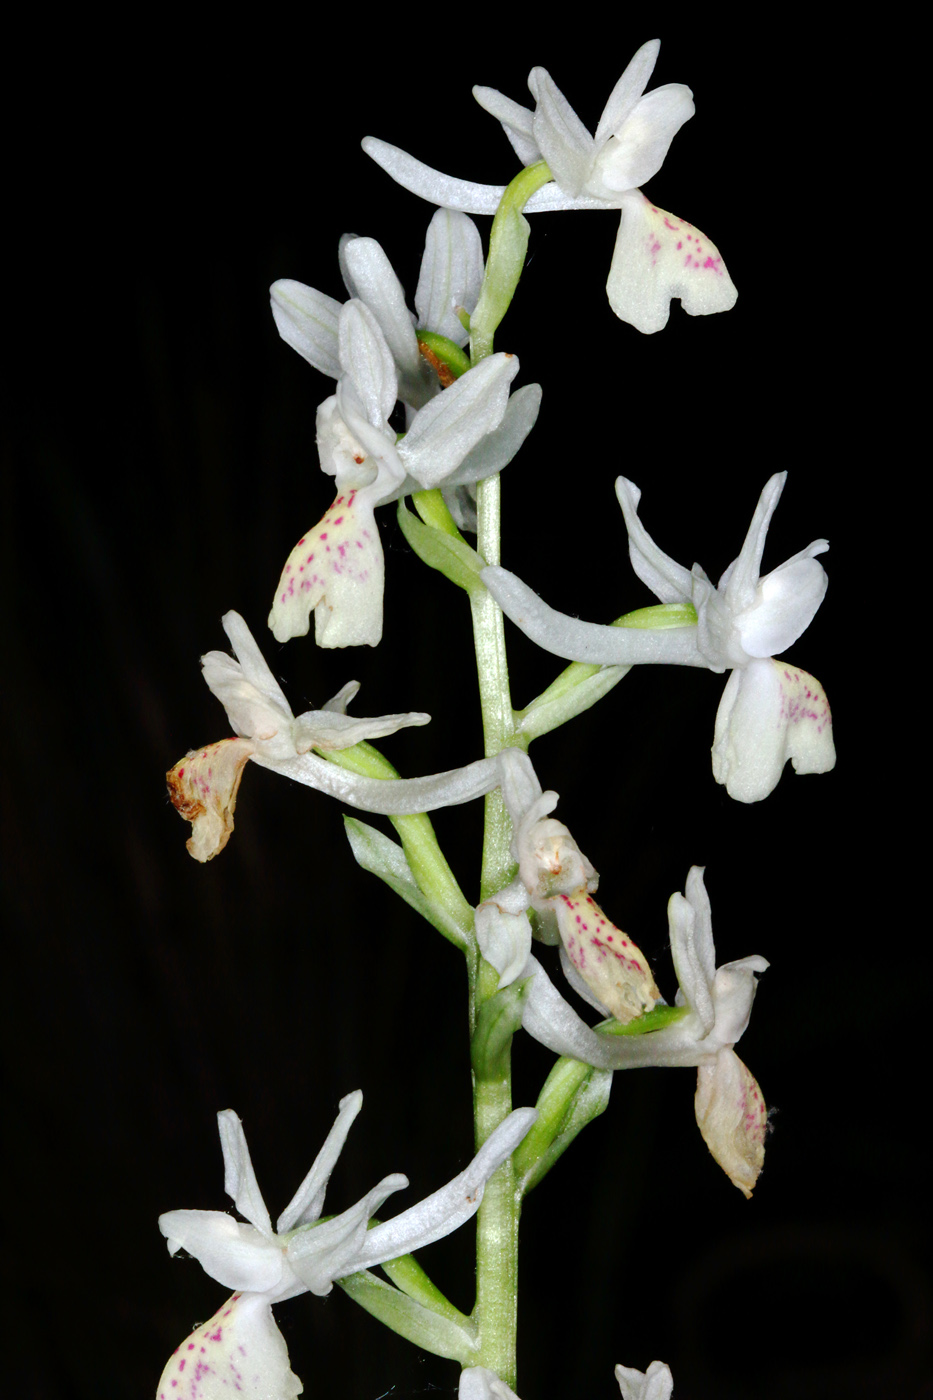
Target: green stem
(496, 1312)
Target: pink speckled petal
(611, 965)
(338, 572)
(656, 1383)
(732, 1117)
(239, 1352)
(770, 712)
(658, 256)
(203, 788)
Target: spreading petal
(770, 712)
(240, 1351)
(444, 1211)
(732, 1117)
(658, 256)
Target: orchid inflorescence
(464, 421)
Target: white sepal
(656, 1383)
(574, 640)
(503, 931)
(307, 321)
(370, 279)
(451, 274)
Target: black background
(163, 462)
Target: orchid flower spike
(463, 435)
(656, 1383)
(657, 255)
(203, 785)
(770, 710)
(241, 1349)
(450, 281)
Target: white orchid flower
(557, 881)
(770, 710)
(451, 277)
(657, 255)
(464, 434)
(479, 1383)
(656, 1383)
(609, 972)
(203, 785)
(729, 1107)
(241, 1349)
